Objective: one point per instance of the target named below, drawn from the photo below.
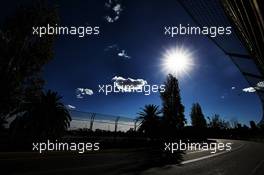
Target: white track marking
(208, 156)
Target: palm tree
(44, 118)
(150, 120)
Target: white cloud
(260, 84)
(110, 47)
(79, 96)
(81, 92)
(88, 91)
(108, 4)
(233, 88)
(128, 84)
(71, 107)
(116, 18)
(114, 9)
(249, 89)
(118, 9)
(109, 19)
(123, 54)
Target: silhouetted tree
(197, 117)
(233, 123)
(261, 125)
(173, 110)
(23, 55)
(253, 125)
(217, 123)
(245, 127)
(239, 126)
(45, 118)
(150, 120)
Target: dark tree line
(169, 121)
(42, 119)
(197, 117)
(23, 55)
(37, 114)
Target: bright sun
(177, 61)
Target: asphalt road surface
(246, 158)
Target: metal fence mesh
(94, 121)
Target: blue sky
(139, 31)
(84, 63)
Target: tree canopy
(172, 107)
(23, 55)
(197, 116)
(44, 118)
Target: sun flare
(177, 61)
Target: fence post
(92, 121)
(135, 124)
(116, 123)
